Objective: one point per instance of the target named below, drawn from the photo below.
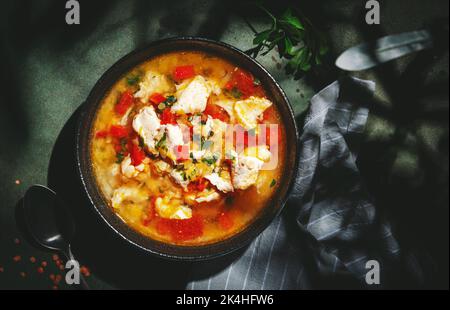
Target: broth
(157, 194)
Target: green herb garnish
(236, 93)
(273, 183)
(133, 79)
(296, 39)
(141, 142)
(119, 157)
(170, 100)
(162, 141)
(211, 160)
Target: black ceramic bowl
(84, 134)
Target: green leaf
(296, 40)
(288, 46)
(290, 19)
(262, 36)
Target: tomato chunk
(157, 98)
(168, 117)
(137, 155)
(102, 134)
(118, 131)
(245, 84)
(125, 102)
(183, 72)
(198, 185)
(216, 112)
(181, 230)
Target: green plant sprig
(296, 39)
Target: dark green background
(48, 69)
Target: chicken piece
(248, 111)
(193, 97)
(174, 139)
(221, 180)
(172, 209)
(245, 168)
(153, 83)
(129, 170)
(127, 193)
(147, 125)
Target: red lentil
(55, 257)
(17, 258)
(85, 271)
(40, 270)
(33, 259)
(44, 264)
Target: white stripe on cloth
(334, 212)
(286, 264)
(270, 253)
(250, 264)
(338, 230)
(228, 276)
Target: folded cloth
(329, 224)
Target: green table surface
(48, 69)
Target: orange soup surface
(187, 148)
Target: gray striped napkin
(329, 225)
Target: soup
(187, 148)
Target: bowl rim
(87, 184)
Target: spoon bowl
(47, 219)
(49, 222)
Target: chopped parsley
(273, 183)
(162, 142)
(211, 160)
(133, 79)
(170, 100)
(236, 93)
(183, 175)
(119, 157)
(141, 142)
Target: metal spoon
(49, 222)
